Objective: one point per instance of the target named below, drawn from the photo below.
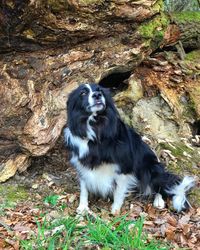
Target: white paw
(115, 210)
(159, 202)
(82, 210)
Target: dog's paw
(82, 210)
(115, 210)
(159, 202)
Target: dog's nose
(97, 95)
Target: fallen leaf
(183, 240)
(163, 229)
(13, 243)
(160, 221)
(193, 239)
(35, 186)
(172, 221)
(20, 228)
(148, 223)
(184, 219)
(170, 232)
(72, 198)
(186, 229)
(2, 243)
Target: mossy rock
(153, 30)
(195, 98)
(158, 6)
(193, 56)
(186, 161)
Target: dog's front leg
(83, 203)
(119, 193)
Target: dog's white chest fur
(81, 144)
(101, 180)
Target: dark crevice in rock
(196, 127)
(116, 81)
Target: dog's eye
(83, 93)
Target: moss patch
(195, 99)
(153, 31)
(189, 111)
(193, 56)
(186, 158)
(10, 195)
(158, 6)
(154, 27)
(187, 16)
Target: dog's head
(88, 98)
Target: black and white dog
(111, 159)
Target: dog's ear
(70, 104)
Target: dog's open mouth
(97, 106)
(98, 103)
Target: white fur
(81, 144)
(99, 180)
(158, 201)
(83, 204)
(178, 191)
(90, 132)
(90, 98)
(124, 183)
(104, 180)
(148, 191)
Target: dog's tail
(179, 191)
(171, 185)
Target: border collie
(111, 158)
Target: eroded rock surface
(55, 45)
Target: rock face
(49, 47)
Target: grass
(92, 233)
(52, 199)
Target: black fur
(117, 143)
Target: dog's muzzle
(96, 102)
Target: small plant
(52, 199)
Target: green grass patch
(52, 199)
(69, 233)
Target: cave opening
(196, 127)
(116, 81)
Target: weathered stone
(133, 93)
(18, 162)
(65, 43)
